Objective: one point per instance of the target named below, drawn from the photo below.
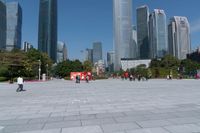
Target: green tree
(170, 62)
(87, 66)
(63, 69)
(189, 67)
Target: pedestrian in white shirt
(20, 84)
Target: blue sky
(81, 22)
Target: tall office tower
(65, 52)
(158, 38)
(110, 61)
(2, 26)
(142, 31)
(47, 35)
(179, 37)
(97, 51)
(14, 26)
(27, 46)
(122, 22)
(89, 55)
(134, 46)
(61, 52)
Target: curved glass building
(47, 35)
(158, 34)
(61, 51)
(143, 31)
(122, 17)
(179, 37)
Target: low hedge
(3, 79)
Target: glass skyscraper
(122, 21)
(97, 52)
(14, 26)
(142, 31)
(134, 47)
(158, 34)
(179, 37)
(47, 35)
(61, 52)
(2, 26)
(110, 61)
(89, 55)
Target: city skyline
(81, 23)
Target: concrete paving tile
(130, 119)
(72, 118)
(20, 128)
(44, 131)
(149, 130)
(187, 114)
(63, 124)
(186, 120)
(160, 116)
(98, 121)
(85, 129)
(153, 123)
(119, 127)
(109, 115)
(87, 116)
(14, 122)
(187, 128)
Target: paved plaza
(104, 106)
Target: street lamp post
(39, 69)
(47, 70)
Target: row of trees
(168, 65)
(18, 63)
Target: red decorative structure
(81, 74)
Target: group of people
(78, 79)
(134, 77)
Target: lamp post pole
(47, 70)
(39, 69)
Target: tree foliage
(18, 63)
(63, 69)
(87, 66)
(170, 64)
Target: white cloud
(195, 26)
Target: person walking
(20, 84)
(87, 79)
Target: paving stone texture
(104, 106)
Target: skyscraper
(134, 47)
(14, 26)
(158, 38)
(2, 26)
(142, 31)
(89, 55)
(179, 37)
(110, 61)
(27, 46)
(97, 51)
(122, 17)
(47, 35)
(61, 52)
